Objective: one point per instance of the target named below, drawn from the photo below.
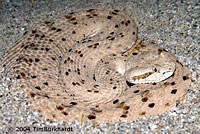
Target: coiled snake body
(75, 67)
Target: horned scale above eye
(75, 65)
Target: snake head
(151, 73)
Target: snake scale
(76, 67)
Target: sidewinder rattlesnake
(76, 67)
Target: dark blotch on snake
(129, 84)
(174, 91)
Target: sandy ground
(173, 25)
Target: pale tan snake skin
(75, 67)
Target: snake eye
(155, 70)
